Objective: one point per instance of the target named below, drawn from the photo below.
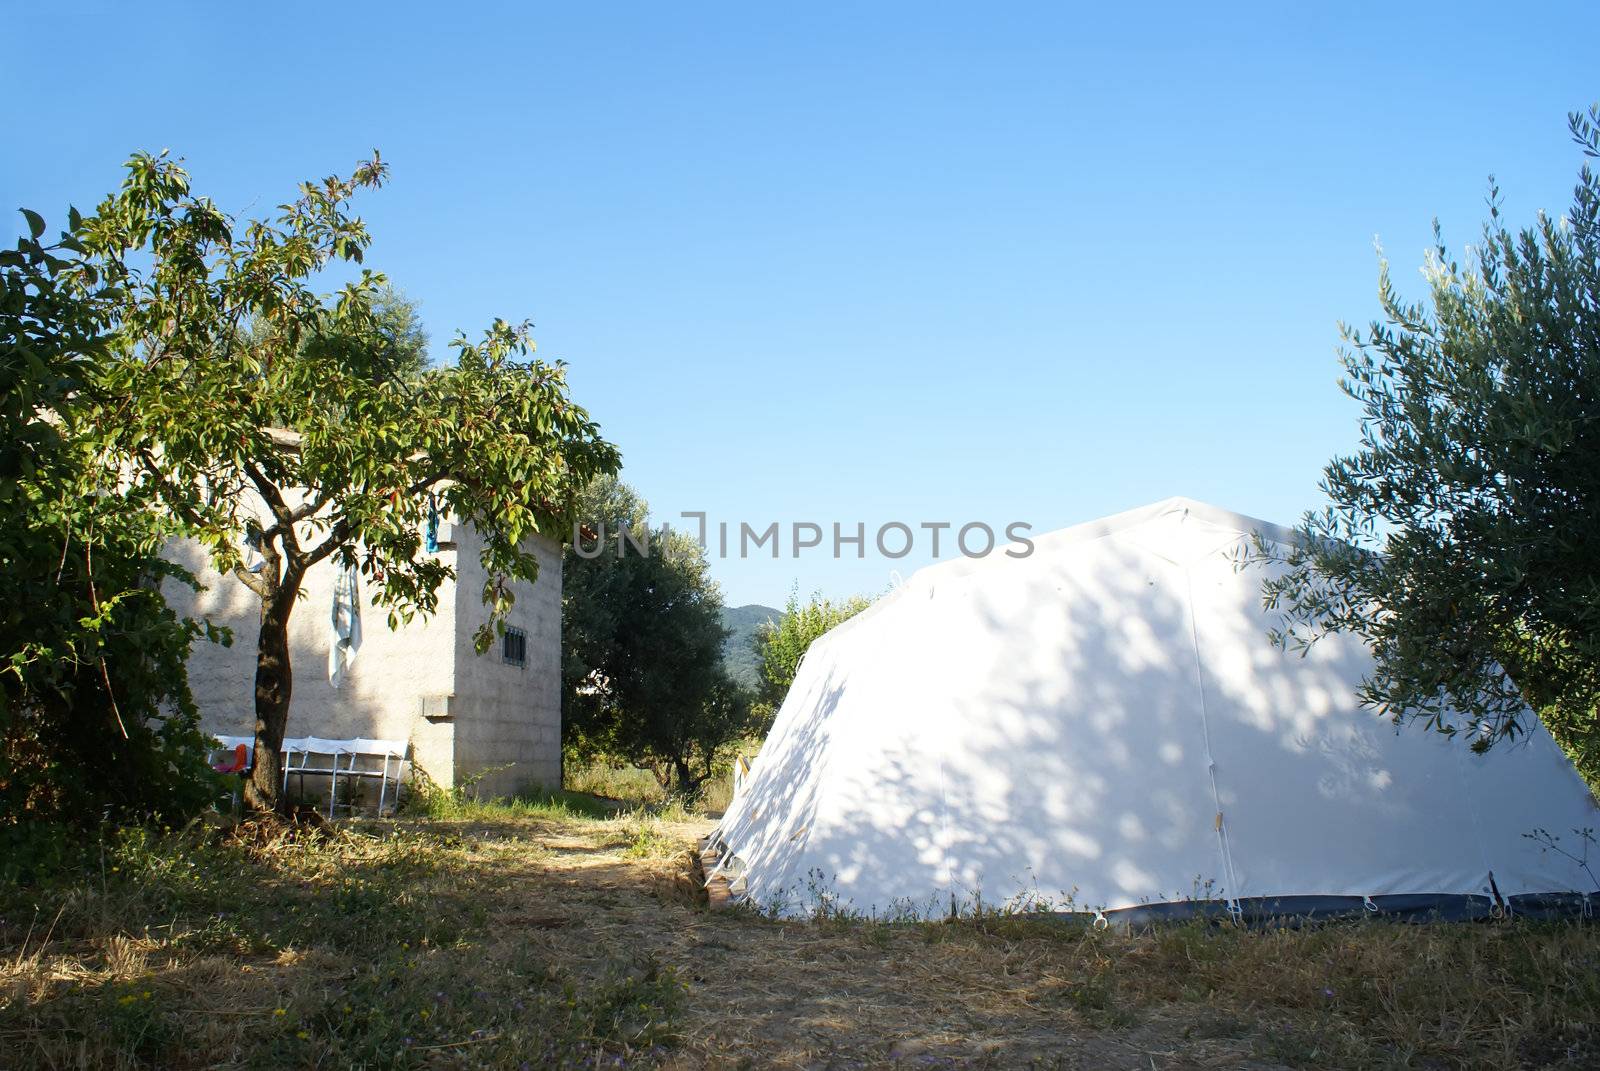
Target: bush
(96, 721)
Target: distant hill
(742, 622)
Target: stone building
(422, 682)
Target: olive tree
(1462, 539)
(643, 681)
(264, 414)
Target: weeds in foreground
(346, 948)
(646, 836)
(1360, 993)
(442, 943)
(1354, 993)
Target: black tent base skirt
(1408, 907)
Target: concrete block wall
(421, 682)
(508, 717)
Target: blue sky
(863, 263)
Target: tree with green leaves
(263, 414)
(96, 721)
(399, 324)
(642, 676)
(782, 644)
(1463, 537)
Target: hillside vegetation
(738, 654)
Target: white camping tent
(1104, 725)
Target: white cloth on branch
(345, 625)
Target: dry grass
(512, 938)
(636, 787)
(626, 783)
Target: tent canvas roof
(1104, 724)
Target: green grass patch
(533, 802)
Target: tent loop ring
(1588, 906)
(1100, 921)
(1370, 905)
(1497, 910)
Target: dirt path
(825, 995)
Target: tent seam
(1223, 845)
(1477, 813)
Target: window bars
(514, 647)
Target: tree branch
(337, 536)
(269, 493)
(340, 531)
(309, 508)
(280, 511)
(171, 499)
(252, 581)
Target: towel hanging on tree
(430, 541)
(345, 638)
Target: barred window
(514, 647)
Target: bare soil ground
(831, 994)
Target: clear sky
(862, 262)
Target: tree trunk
(687, 783)
(274, 684)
